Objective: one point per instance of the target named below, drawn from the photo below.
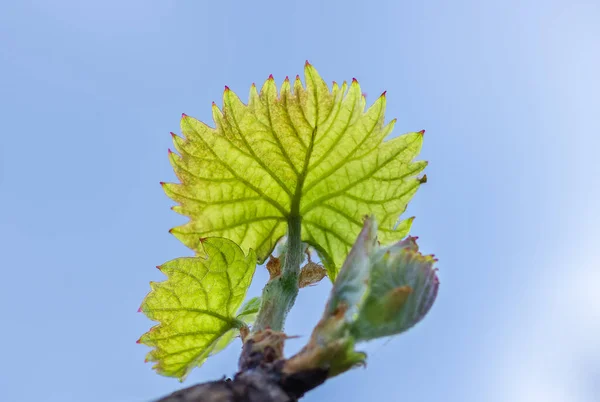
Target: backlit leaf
(196, 306)
(306, 151)
(247, 314)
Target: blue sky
(508, 92)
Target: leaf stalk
(280, 293)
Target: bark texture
(260, 379)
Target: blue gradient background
(508, 92)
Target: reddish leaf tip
(170, 152)
(226, 88)
(271, 77)
(383, 94)
(354, 81)
(307, 64)
(287, 79)
(297, 77)
(139, 310)
(422, 132)
(183, 115)
(158, 267)
(145, 360)
(173, 134)
(423, 179)
(138, 341)
(162, 183)
(214, 104)
(171, 231)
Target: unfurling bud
(380, 291)
(403, 286)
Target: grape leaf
(249, 310)
(196, 306)
(247, 314)
(310, 153)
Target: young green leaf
(249, 310)
(380, 291)
(402, 288)
(310, 153)
(352, 282)
(196, 306)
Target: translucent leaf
(247, 314)
(249, 310)
(196, 306)
(223, 342)
(311, 274)
(309, 151)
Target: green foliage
(306, 161)
(247, 314)
(196, 306)
(310, 152)
(351, 284)
(403, 285)
(380, 291)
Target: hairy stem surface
(280, 293)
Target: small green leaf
(352, 282)
(402, 288)
(306, 152)
(196, 306)
(249, 310)
(380, 291)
